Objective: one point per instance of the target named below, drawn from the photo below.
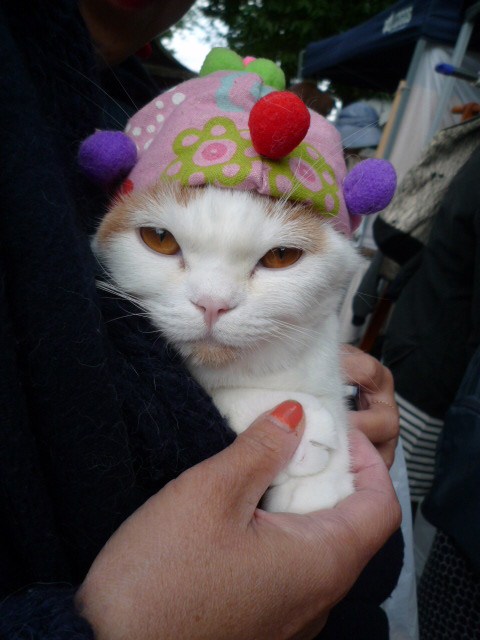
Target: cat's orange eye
(160, 240)
(280, 257)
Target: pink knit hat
(232, 130)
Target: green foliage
(279, 29)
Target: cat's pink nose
(212, 309)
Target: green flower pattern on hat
(221, 154)
(305, 176)
(216, 153)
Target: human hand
(199, 559)
(377, 415)
(468, 110)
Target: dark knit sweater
(96, 414)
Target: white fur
(281, 327)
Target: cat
(242, 268)
(246, 287)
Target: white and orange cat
(231, 233)
(246, 288)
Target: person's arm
(199, 559)
(49, 609)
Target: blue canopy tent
(378, 53)
(391, 46)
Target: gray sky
(190, 46)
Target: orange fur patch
(119, 218)
(213, 355)
(306, 219)
(122, 214)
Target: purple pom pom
(107, 156)
(370, 186)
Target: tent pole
(457, 59)
(412, 70)
(387, 130)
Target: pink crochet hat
(231, 129)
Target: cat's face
(224, 273)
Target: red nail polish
(288, 414)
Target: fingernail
(287, 415)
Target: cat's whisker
(299, 338)
(102, 267)
(309, 333)
(159, 337)
(150, 332)
(122, 296)
(110, 287)
(112, 70)
(302, 336)
(372, 384)
(127, 315)
(295, 327)
(341, 147)
(355, 134)
(101, 107)
(370, 296)
(360, 385)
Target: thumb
(249, 465)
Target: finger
(372, 480)
(247, 467)
(387, 451)
(365, 371)
(358, 526)
(374, 498)
(380, 422)
(359, 367)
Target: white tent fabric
(414, 131)
(424, 96)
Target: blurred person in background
(358, 124)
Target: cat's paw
(309, 493)
(319, 441)
(318, 476)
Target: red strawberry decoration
(278, 123)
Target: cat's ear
(370, 186)
(106, 157)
